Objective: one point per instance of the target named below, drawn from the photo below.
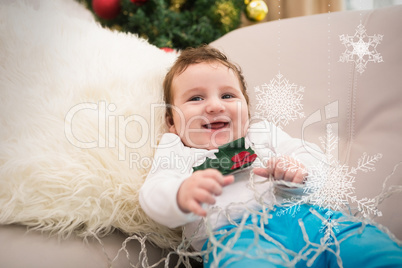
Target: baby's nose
(215, 106)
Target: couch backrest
(363, 106)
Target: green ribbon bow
(231, 157)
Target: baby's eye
(195, 98)
(227, 96)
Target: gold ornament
(175, 5)
(256, 9)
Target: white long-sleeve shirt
(173, 163)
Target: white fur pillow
(77, 122)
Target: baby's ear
(170, 124)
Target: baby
(216, 164)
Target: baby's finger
(263, 172)
(270, 166)
(211, 186)
(280, 170)
(196, 208)
(267, 171)
(299, 177)
(289, 175)
(203, 196)
(228, 180)
(214, 174)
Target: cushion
(80, 117)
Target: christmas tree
(171, 23)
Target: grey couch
(364, 109)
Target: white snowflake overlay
(330, 185)
(279, 101)
(328, 227)
(361, 48)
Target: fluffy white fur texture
(66, 84)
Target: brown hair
(191, 56)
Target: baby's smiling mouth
(216, 125)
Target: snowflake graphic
(361, 48)
(331, 183)
(279, 101)
(329, 227)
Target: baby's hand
(284, 168)
(201, 188)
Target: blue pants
(285, 243)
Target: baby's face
(209, 107)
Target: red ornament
(139, 2)
(106, 9)
(168, 49)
